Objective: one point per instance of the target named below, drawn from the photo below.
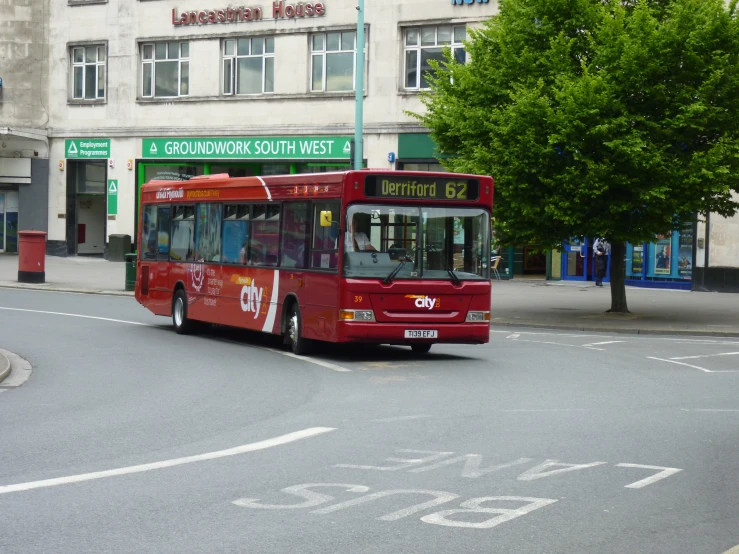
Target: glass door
(575, 259)
(2, 222)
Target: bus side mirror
(326, 218)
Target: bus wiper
(397, 269)
(455, 280)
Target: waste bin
(118, 247)
(131, 271)
(31, 257)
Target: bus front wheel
(420, 348)
(299, 345)
(182, 325)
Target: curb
(621, 330)
(68, 289)
(4, 366)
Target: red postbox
(31, 256)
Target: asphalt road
(128, 438)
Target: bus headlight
(478, 317)
(356, 315)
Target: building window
(88, 72)
(249, 66)
(332, 61)
(422, 44)
(165, 69)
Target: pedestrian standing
(601, 249)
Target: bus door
(576, 258)
(155, 256)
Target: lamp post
(359, 89)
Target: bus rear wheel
(182, 325)
(420, 348)
(294, 332)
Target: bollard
(130, 271)
(31, 257)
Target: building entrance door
(576, 259)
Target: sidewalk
(519, 302)
(74, 274)
(582, 306)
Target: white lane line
(681, 340)
(681, 363)
(79, 315)
(290, 354)
(557, 344)
(329, 365)
(696, 366)
(252, 447)
(547, 410)
(399, 418)
(705, 356)
(707, 410)
(604, 342)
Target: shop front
(666, 262)
(23, 198)
(179, 159)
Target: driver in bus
(357, 241)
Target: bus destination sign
(421, 188)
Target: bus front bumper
(396, 333)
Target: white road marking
(705, 356)
(557, 344)
(474, 506)
(399, 418)
(290, 354)
(513, 336)
(652, 338)
(79, 315)
(695, 366)
(663, 474)
(547, 410)
(604, 342)
(706, 410)
(404, 462)
(252, 447)
(543, 469)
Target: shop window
(295, 237)
(423, 44)
(208, 247)
(235, 233)
(165, 69)
(171, 172)
(325, 239)
(265, 234)
(333, 60)
(183, 233)
(249, 65)
(89, 177)
(88, 72)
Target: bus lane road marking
(497, 509)
(243, 449)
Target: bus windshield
(408, 242)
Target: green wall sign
(91, 149)
(113, 197)
(249, 148)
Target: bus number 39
(456, 190)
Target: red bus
(370, 256)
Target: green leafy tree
(596, 117)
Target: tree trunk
(618, 278)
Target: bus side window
(208, 247)
(149, 233)
(183, 234)
(264, 242)
(162, 245)
(235, 241)
(294, 242)
(325, 239)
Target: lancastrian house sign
(260, 148)
(280, 10)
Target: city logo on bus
(425, 301)
(169, 194)
(197, 276)
(251, 298)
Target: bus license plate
(424, 334)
